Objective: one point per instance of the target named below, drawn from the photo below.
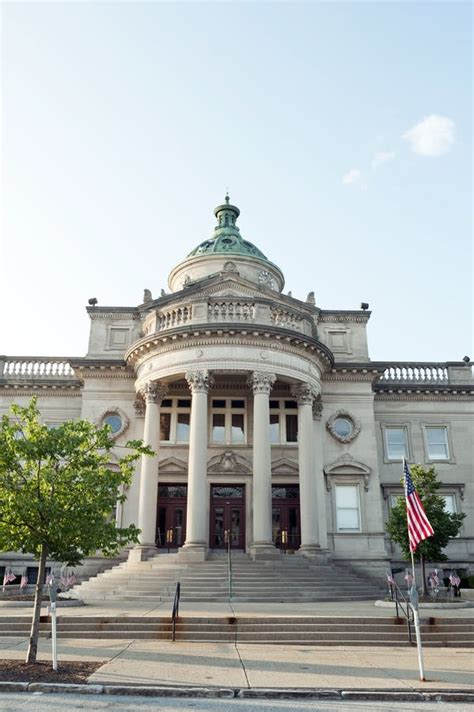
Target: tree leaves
(446, 525)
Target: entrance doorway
(171, 516)
(227, 515)
(286, 516)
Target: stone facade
(268, 418)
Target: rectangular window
(283, 421)
(347, 508)
(165, 426)
(218, 427)
(291, 428)
(450, 503)
(237, 433)
(396, 443)
(437, 443)
(182, 427)
(274, 428)
(228, 421)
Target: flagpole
(416, 618)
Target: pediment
(234, 287)
(173, 465)
(346, 465)
(284, 466)
(229, 462)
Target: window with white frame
(450, 503)
(347, 508)
(228, 421)
(396, 442)
(437, 442)
(175, 419)
(283, 421)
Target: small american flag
(454, 579)
(7, 577)
(390, 578)
(408, 578)
(49, 580)
(434, 579)
(24, 581)
(419, 527)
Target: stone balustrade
(26, 368)
(230, 311)
(416, 373)
(286, 319)
(172, 318)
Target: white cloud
(382, 157)
(433, 136)
(352, 176)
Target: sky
(342, 131)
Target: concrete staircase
(284, 580)
(284, 630)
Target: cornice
(113, 312)
(434, 394)
(101, 368)
(341, 316)
(47, 389)
(229, 334)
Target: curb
(270, 693)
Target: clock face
(265, 278)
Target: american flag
(454, 579)
(419, 527)
(24, 581)
(7, 577)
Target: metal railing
(175, 611)
(227, 539)
(401, 604)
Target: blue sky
(343, 131)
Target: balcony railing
(25, 368)
(416, 373)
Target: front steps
(278, 630)
(284, 580)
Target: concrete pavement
(143, 662)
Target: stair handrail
(229, 565)
(403, 604)
(175, 611)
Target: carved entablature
(346, 469)
(228, 463)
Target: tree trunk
(423, 575)
(35, 623)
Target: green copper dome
(227, 239)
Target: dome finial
(227, 198)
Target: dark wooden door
(227, 515)
(286, 516)
(171, 515)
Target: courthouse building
(270, 423)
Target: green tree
(58, 492)
(446, 525)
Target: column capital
(154, 392)
(261, 381)
(304, 393)
(199, 381)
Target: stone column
(148, 497)
(319, 469)
(195, 546)
(305, 394)
(262, 546)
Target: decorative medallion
(266, 279)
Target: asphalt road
(39, 702)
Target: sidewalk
(246, 666)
